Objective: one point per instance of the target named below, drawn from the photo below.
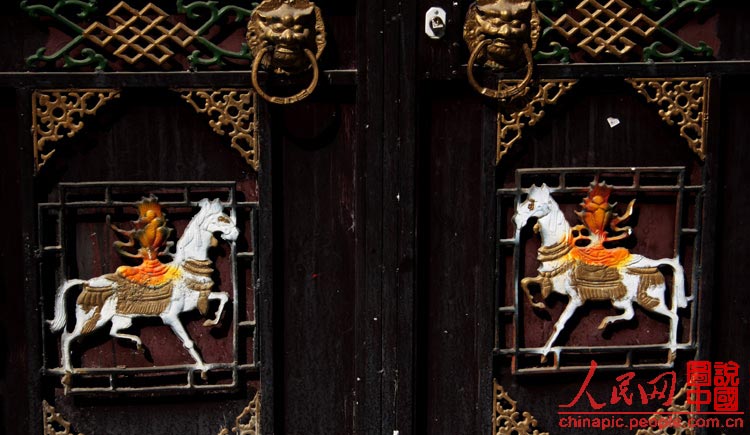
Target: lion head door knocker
(502, 35)
(152, 288)
(287, 37)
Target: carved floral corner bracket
(248, 422)
(682, 412)
(232, 112)
(54, 423)
(59, 113)
(505, 416)
(526, 111)
(682, 102)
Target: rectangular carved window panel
(620, 30)
(145, 310)
(605, 266)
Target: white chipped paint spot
(613, 122)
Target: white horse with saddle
(612, 274)
(169, 289)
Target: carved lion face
(288, 27)
(508, 24)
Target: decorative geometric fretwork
(54, 423)
(618, 29)
(59, 113)
(505, 416)
(682, 413)
(526, 110)
(605, 27)
(233, 112)
(248, 422)
(201, 33)
(682, 102)
(140, 33)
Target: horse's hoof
(204, 375)
(544, 358)
(671, 356)
(603, 324)
(140, 349)
(66, 381)
(210, 323)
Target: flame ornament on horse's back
(576, 263)
(152, 288)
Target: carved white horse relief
(589, 270)
(151, 289)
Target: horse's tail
(678, 292)
(60, 319)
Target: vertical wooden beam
(711, 203)
(268, 302)
(28, 346)
(369, 270)
(399, 218)
(487, 290)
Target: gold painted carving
(232, 112)
(59, 113)
(505, 416)
(513, 117)
(140, 33)
(248, 422)
(502, 35)
(682, 413)
(54, 423)
(287, 37)
(605, 26)
(682, 102)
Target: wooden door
(374, 286)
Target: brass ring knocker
(502, 34)
(500, 94)
(278, 33)
(292, 98)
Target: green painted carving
(139, 35)
(215, 14)
(595, 28)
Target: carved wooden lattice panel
(675, 198)
(92, 208)
(143, 38)
(618, 30)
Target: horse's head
(215, 221)
(537, 204)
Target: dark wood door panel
(459, 130)
(317, 148)
(452, 275)
(382, 266)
